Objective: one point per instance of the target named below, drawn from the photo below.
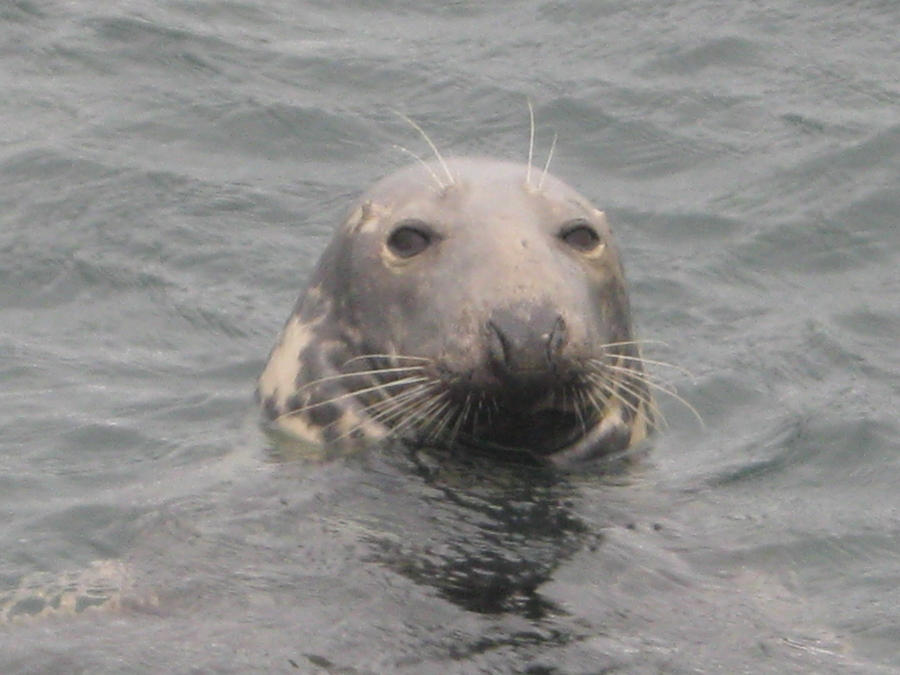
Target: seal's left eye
(580, 235)
(409, 238)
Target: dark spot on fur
(305, 372)
(323, 415)
(330, 434)
(294, 402)
(270, 408)
(619, 438)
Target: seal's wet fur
(482, 310)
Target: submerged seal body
(474, 308)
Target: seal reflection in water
(465, 303)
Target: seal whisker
(540, 185)
(632, 385)
(612, 388)
(407, 406)
(613, 385)
(359, 373)
(606, 371)
(666, 390)
(625, 343)
(434, 149)
(663, 364)
(392, 400)
(464, 413)
(591, 395)
(432, 414)
(584, 406)
(391, 357)
(423, 415)
(630, 371)
(577, 405)
(530, 142)
(397, 406)
(441, 418)
(654, 418)
(471, 420)
(437, 415)
(356, 392)
(609, 386)
(478, 410)
(421, 161)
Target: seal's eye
(580, 235)
(409, 238)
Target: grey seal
(470, 308)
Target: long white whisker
(530, 143)
(421, 161)
(416, 413)
(460, 420)
(610, 387)
(547, 163)
(600, 405)
(636, 375)
(437, 415)
(392, 400)
(641, 359)
(448, 415)
(349, 394)
(577, 404)
(478, 408)
(387, 356)
(434, 149)
(388, 408)
(633, 342)
(644, 398)
(402, 404)
(361, 373)
(659, 387)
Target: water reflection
(486, 533)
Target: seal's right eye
(409, 238)
(580, 235)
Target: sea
(171, 170)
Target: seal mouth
(570, 410)
(531, 411)
(541, 433)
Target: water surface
(170, 172)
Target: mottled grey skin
(500, 314)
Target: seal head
(486, 311)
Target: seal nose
(520, 347)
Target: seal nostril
(498, 346)
(557, 340)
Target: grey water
(170, 172)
